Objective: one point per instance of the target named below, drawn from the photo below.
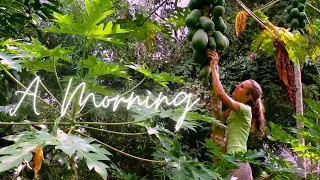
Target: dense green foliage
(117, 47)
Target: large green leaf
(25, 142)
(88, 24)
(161, 78)
(92, 153)
(97, 67)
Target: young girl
(246, 115)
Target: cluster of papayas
(206, 29)
(296, 16)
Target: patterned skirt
(244, 172)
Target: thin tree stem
(267, 5)
(106, 124)
(66, 124)
(56, 74)
(32, 123)
(45, 88)
(133, 87)
(153, 12)
(113, 132)
(121, 152)
(313, 7)
(14, 79)
(255, 17)
(90, 111)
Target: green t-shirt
(238, 129)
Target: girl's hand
(214, 58)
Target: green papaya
(288, 18)
(227, 42)
(200, 40)
(294, 23)
(220, 25)
(289, 8)
(205, 71)
(212, 43)
(192, 5)
(193, 18)
(217, 11)
(198, 2)
(301, 7)
(205, 82)
(190, 33)
(295, 32)
(220, 40)
(294, 12)
(302, 16)
(303, 1)
(302, 24)
(199, 56)
(295, 3)
(220, 3)
(206, 23)
(211, 1)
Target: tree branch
(255, 17)
(153, 12)
(313, 7)
(121, 152)
(113, 132)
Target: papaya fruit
(198, 2)
(206, 23)
(301, 6)
(212, 43)
(295, 32)
(200, 40)
(205, 82)
(295, 3)
(217, 11)
(220, 41)
(302, 16)
(288, 18)
(190, 33)
(294, 23)
(192, 5)
(289, 8)
(199, 56)
(205, 71)
(211, 1)
(220, 25)
(303, 1)
(227, 42)
(294, 12)
(192, 19)
(302, 24)
(220, 3)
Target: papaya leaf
(92, 153)
(88, 24)
(38, 50)
(161, 78)
(296, 45)
(25, 142)
(97, 67)
(8, 62)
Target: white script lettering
(80, 89)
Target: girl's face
(241, 93)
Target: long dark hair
(257, 108)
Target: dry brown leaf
(37, 158)
(285, 70)
(240, 24)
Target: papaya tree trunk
(217, 132)
(299, 108)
